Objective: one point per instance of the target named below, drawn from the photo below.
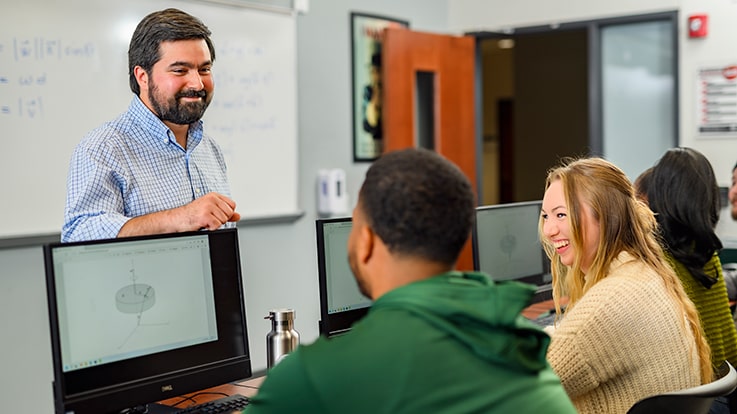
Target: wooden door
(450, 61)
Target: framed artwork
(366, 36)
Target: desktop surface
(202, 400)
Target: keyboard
(546, 319)
(231, 404)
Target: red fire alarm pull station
(697, 25)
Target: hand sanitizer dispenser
(323, 186)
(332, 197)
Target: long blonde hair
(626, 225)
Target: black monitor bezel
(331, 324)
(537, 279)
(104, 388)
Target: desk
(248, 388)
(537, 309)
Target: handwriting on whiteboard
(23, 74)
(243, 100)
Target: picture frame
(366, 38)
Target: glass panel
(425, 110)
(638, 92)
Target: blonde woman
(629, 329)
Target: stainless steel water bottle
(283, 338)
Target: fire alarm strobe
(697, 25)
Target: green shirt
(713, 307)
(454, 343)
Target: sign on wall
(716, 100)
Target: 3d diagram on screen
(135, 298)
(508, 243)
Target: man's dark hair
(684, 195)
(419, 204)
(162, 26)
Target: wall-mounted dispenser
(332, 197)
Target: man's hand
(207, 212)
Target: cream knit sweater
(622, 342)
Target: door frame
(593, 30)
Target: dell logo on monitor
(166, 388)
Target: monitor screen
(341, 302)
(141, 319)
(506, 245)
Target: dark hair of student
(683, 193)
(642, 183)
(162, 26)
(419, 204)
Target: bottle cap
(281, 315)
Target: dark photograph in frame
(366, 39)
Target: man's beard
(175, 112)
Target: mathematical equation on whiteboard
(37, 72)
(22, 74)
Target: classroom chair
(695, 400)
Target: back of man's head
(419, 204)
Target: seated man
(435, 340)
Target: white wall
(496, 15)
(25, 351)
(717, 49)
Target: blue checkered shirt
(133, 166)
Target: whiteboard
(64, 71)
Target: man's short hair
(419, 204)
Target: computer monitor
(506, 245)
(341, 302)
(142, 319)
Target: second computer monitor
(341, 302)
(507, 247)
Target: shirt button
(197, 190)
